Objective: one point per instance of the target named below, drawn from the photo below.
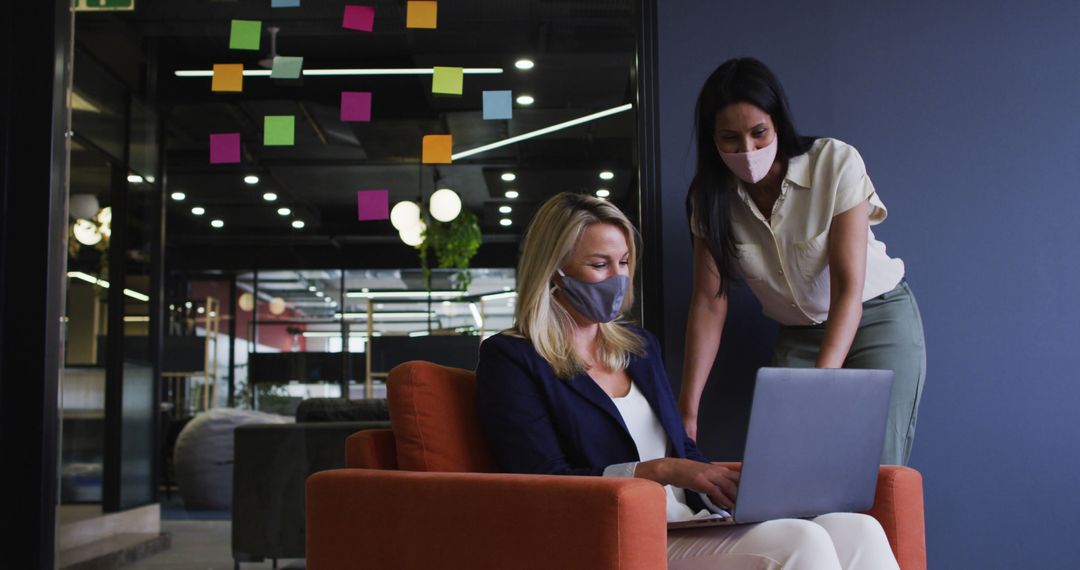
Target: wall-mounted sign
(101, 5)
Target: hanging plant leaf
(455, 243)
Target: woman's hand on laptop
(719, 483)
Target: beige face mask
(751, 167)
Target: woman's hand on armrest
(719, 483)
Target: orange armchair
(423, 495)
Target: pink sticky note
(372, 205)
(225, 148)
(356, 106)
(359, 18)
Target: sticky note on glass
(360, 18)
(437, 149)
(497, 105)
(372, 205)
(279, 130)
(356, 106)
(421, 14)
(284, 3)
(245, 34)
(287, 67)
(225, 148)
(228, 77)
(447, 80)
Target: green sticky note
(245, 34)
(287, 67)
(447, 80)
(279, 130)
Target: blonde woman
(573, 390)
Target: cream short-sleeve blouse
(785, 259)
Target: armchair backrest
(433, 415)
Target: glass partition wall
(287, 272)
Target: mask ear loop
(554, 285)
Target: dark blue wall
(966, 113)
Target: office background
(966, 114)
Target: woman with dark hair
(791, 217)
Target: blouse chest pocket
(812, 257)
(751, 261)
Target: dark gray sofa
(272, 463)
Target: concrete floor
(202, 544)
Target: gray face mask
(599, 302)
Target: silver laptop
(813, 444)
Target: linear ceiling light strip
(343, 72)
(543, 131)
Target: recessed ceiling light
(607, 175)
(217, 223)
(284, 211)
(511, 194)
(135, 179)
(525, 100)
(150, 179)
(603, 193)
(312, 288)
(317, 293)
(524, 64)
(327, 300)
(269, 196)
(178, 196)
(505, 222)
(299, 224)
(251, 179)
(198, 210)
(509, 177)
(505, 209)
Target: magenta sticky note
(356, 106)
(372, 205)
(225, 148)
(359, 18)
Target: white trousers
(834, 541)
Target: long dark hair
(747, 80)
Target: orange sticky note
(437, 149)
(421, 14)
(228, 77)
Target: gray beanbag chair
(203, 456)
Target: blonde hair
(549, 241)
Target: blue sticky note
(284, 3)
(498, 105)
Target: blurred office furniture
(272, 461)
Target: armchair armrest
(898, 506)
(371, 449)
(418, 520)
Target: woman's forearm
(845, 314)
(704, 328)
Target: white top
(785, 259)
(652, 443)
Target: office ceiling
(584, 54)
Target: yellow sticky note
(421, 14)
(437, 149)
(447, 80)
(228, 77)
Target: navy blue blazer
(536, 422)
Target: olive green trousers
(890, 337)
